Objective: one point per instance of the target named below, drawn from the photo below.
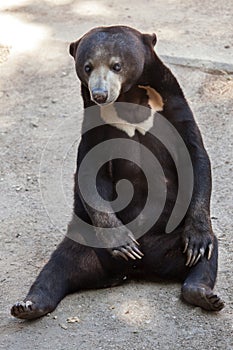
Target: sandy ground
(39, 93)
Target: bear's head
(110, 60)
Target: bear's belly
(148, 202)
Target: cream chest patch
(110, 116)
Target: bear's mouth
(104, 104)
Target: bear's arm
(104, 216)
(181, 117)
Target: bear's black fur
(118, 64)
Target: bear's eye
(88, 68)
(116, 67)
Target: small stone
(73, 319)
(54, 317)
(148, 321)
(63, 326)
(34, 125)
(64, 115)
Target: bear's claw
(128, 251)
(194, 254)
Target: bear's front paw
(128, 250)
(198, 242)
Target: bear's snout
(99, 95)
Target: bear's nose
(99, 95)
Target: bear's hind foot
(29, 310)
(202, 297)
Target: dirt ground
(39, 93)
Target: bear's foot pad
(27, 310)
(202, 297)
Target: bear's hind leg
(164, 258)
(72, 267)
(198, 287)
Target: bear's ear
(73, 47)
(150, 39)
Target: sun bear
(128, 92)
